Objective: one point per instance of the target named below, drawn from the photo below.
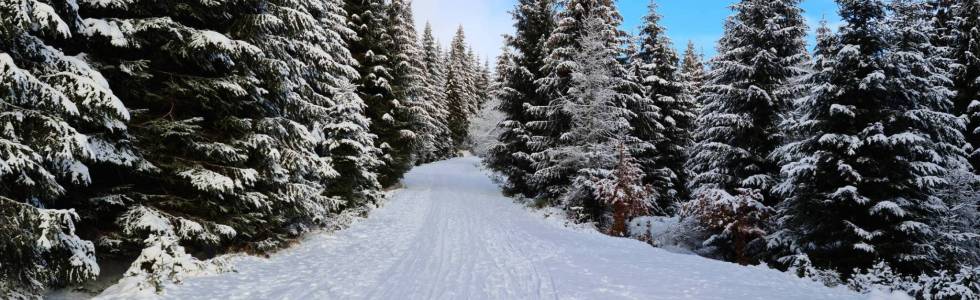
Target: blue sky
(700, 21)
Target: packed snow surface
(450, 234)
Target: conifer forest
(187, 149)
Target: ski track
(450, 234)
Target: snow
(209, 181)
(450, 234)
(116, 32)
(206, 39)
(894, 295)
(46, 14)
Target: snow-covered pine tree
(482, 84)
(964, 50)
(692, 71)
(233, 160)
(552, 177)
(300, 73)
(408, 83)
(460, 98)
(533, 22)
(745, 93)
(669, 127)
(347, 139)
(922, 82)
(58, 119)
(349, 142)
(435, 82)
(598, 120)
(472, 76)
(372, 48)
(872, 144)
(942, 20)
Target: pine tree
(482, 85)
(408, 83)
(472, 77)
(873, 141)
(460, 98)
(301, 85)
(435, 82)
(58, 119)
(372, 48)
(533, 22)
(199, 117)
(552, 178)
(599, 121)
(670, 132)
(964, 46)
(692, 71)
(747, 90)
(347, 139)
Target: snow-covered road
(450, 234)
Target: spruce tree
(202, 117)
(669, 128)
(300, 77)
(460, 98)
(472, 78)
(60, 120)
(745, 94)
(408, 82)
(872, 141)
(372, 48)
(533, 22)
(482, 84)
(692, 71)
(551, 178)
(435, 91)
(599, 121)
(347, 139)
(964, 51)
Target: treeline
(854, 163)
(168, 132)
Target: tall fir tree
(692, 72)
(60, 120)
(472, 80)
(533, 22)
(435, 83)
(372, 48)
(460, 97)
(964, 51)
(669, 129)
(551, 178)
(409, 86)
(482, 84)
(746, 92)
(210, 120)
(599, 122)
(346, 139)
(872, 141)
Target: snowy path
(451, 235)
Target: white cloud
(484, 21)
